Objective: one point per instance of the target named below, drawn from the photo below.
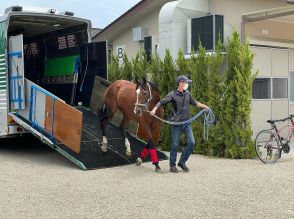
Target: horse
(134, 101)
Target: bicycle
(269, 144)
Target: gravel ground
(37, 182)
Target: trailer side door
(16, 72)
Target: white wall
(126, 38)
(174, 19)
(234, 9)
(270, 63)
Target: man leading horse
(121, 95)
(181, 100)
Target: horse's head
(144, 96)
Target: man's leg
(190, 144)
(175, 131)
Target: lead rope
(209, 119)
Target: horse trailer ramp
(73, 131)
(91, 156)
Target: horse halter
(140, 107)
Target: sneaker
(183, 167)
(173, 169)
(157, 169)
(139, 161)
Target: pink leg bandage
(144, 153)
(153, 153)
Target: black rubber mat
(92, 156)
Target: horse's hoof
(128, 153)
(157, 169)
(139, 161)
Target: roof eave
(131, 10)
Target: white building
(268, 24)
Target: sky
(100, 12)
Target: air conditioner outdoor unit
(139, 33)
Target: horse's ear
(144, 80)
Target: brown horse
(133, 101)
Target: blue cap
(183, 78)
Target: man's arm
(201, 105)
(168, 98)
(198, 104)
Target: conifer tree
(237, 99)
(140, 65)
(199, 70)
(114, 69)
(182, 64)
(156, 69)
(216, 146)
(127, 69)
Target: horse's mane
(153, 86)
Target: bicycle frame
(278, 136)
(272, 141)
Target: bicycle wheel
(267, 147)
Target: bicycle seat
(270, 121)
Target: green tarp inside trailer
(61, 66)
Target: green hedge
(226, 87)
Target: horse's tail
(104, 113)
(108, 109)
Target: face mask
(186, 86)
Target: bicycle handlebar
(272, 121)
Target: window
(271, 88)
(280, 88)
(291, 84)
(148, 47)
(262, 88)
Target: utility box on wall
(208, 29)
(139, 33)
